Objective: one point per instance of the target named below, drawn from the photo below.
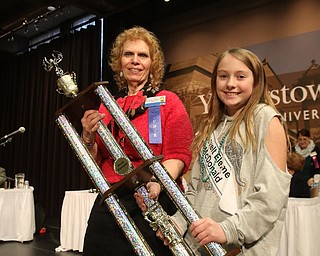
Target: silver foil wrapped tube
(159, 171)
(159, 219)
(155, 214)
(130, 230)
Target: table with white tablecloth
(17, 215)
(76, 208)
(301, 231)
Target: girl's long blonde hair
(260, 94)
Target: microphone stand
(6, 142)
(7, 181)
(7, 178)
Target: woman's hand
(206, 230)
(165, 240)
(140, 201)
(174, 167)
(90, 124)
(160, 235)
(154, 189)
(310, 181)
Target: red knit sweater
(177, 133)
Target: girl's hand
(206, 230)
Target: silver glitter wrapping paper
(179, 249)
(127, 225)
(146, 153)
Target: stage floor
(41, 245)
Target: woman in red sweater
(138, 64)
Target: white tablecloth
(301, 232)
(17, 215)
(75, 212)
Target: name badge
(155, 101)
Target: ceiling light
(36, 27)
(10, 39)
(34, 22)
(51, 8)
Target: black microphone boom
(20, 130)
(7, 178)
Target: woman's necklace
(202, 159)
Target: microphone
(7, 178)
(20, 130)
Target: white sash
(218, 170)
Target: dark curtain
(28, 98)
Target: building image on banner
(299, 102)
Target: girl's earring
(121, 74)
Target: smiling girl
(239, 182)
